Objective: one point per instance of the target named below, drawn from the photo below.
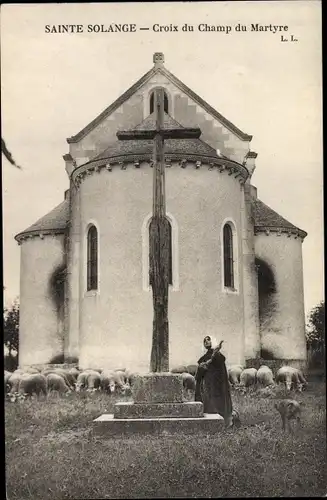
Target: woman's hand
(217, 349)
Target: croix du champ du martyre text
(163, 28)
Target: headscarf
(214, 343)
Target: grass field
(52, 454)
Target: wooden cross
(159, 229)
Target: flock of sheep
(243, 378)
(63, 380)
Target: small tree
(316, 333)
(11, 328)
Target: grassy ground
(52, 454)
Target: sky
(53, 84)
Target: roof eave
(281, 229)
(36, 232)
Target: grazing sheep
(98, 370)
(81, 381)
(93, 380)
(192, 369)
(14, 380)
(75, 372)
(179, 369)
(32, 370)
(107, 381)
(89, 380)
(104, 381)
(55, 382)
(291, 377)
(188, 381)
(121, 374)
(33, 384)
(265, 376)
(112, 381)
(289, 409)
(68, 377)
(119, 378)
(129, 377)
(248, 377)
(234, 374)
(19, 370)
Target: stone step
(108, 426)
(128, 410)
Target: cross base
(158, 409)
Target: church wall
(71, 347)
(116, 321)
(250, 281)
(201, 200)
(40, 328)
(283, 331)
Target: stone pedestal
(158, 388)
(159, 409)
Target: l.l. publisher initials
(285, 39)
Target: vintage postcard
(163, 249)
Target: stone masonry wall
(40, 332)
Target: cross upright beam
(159, 229)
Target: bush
(315, 336)
(11, 327)
(10, 362)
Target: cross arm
(177, 133)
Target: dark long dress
(212, 386)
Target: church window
(152, 103)
(228, 257)
(92, 258)
(170, 255)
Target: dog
(289, 409)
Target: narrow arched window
(152, 103)
(92, 258)
(228, 257)
(170, 255)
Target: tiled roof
(54, 221)
(184, 88)
(145, 147)
(266, 218)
